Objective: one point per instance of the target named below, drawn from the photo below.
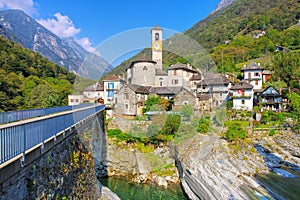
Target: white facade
(75, 99)
(253, 75)
(242, 99)
(111, 85)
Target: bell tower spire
(156, 33)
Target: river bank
(209, 167)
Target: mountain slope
(229, 35)
(21, 28)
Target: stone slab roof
(95, 87)
(252, 66)
(165, 90)
(139, 88)
(183, 67)
(203, 97)
(241, 85)
(111, 78)
(160, 72)
(214, 80)
(196, 77)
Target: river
(127, 190)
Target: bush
(171, 125)
(272, 132)
(235, 132)
(203, 125)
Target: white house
(242, 96)
(253, 75)
(93, 93)
(75, 99)
(111, 85)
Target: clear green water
(287, 188)
(134, 191)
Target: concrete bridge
(41, 153)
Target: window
(175, 82)
(156, 36)
(145, 68)
(243, 102)
(175, 72)
(161, 84)
(256, 82)
(126, 96)
(76, 100)
(72, 100)
(126, 106)
(256, 74)
(203, 88)
(249, 75)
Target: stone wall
(65, 171)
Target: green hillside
(245, 31)
(28, 80)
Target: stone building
(180, 75)
(130, 99)
(185, 97)
(217, 86)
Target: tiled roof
(111, 78)
(160, 72)
(241, 85)
(203, 97)
(252, 66)
(95, 87)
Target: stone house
(185, 97)
(180, 75)
(242, 96)
(130, 99)
(270, 99)
(194, 81)
(205, 103)
(253, 75)
(217, 86)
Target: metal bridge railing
(18, 137)
(7, 117)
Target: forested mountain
(242, 32)
(28, 80)
(15, 25)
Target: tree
(172, 124)
(235, 132)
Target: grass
(243, 124)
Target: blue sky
(91, 22)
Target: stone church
(146, 77)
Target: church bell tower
(156, 33)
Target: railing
(18, 137)
(7, 117)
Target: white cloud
(25, 5)
(87, 45)
(61, 25)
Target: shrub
(272, 132)
(235, 132)
(171, 125)
(203, 125)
